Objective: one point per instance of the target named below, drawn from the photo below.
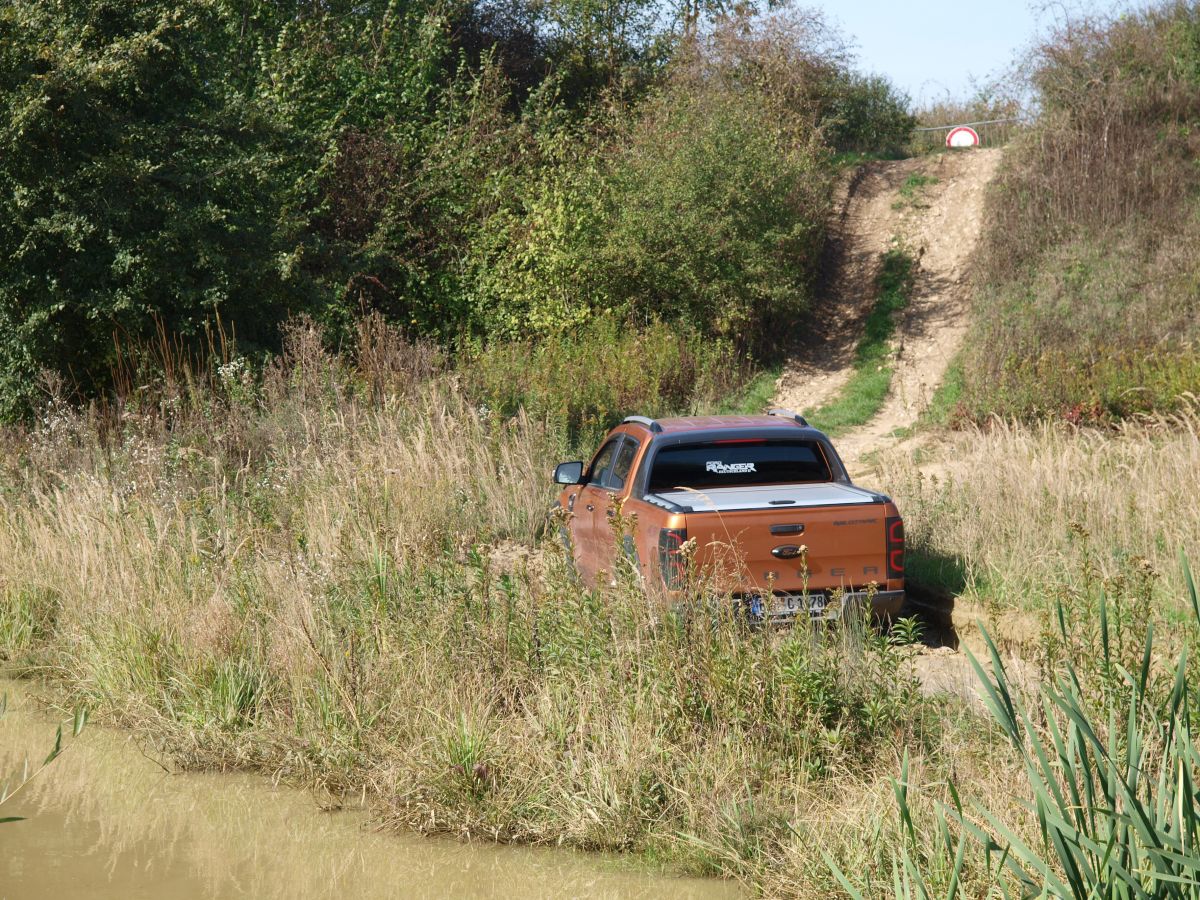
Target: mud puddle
(104, 821)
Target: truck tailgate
(751, 537)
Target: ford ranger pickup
(760, 507)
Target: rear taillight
(895, 546)
(670, 563)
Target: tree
(139, 185)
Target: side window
(602, 461)
(624, 462)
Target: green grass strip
(947, 398)
(944, 407)
(755, 396)
(863, 396)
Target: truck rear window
(737, 464)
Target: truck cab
(761, 507)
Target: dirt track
(938, 222)
(933, 208)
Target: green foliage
(168, 165)
(718, 213)
(601, 43)
(912, 191)
(867, 114)
(1110, 383)
(584, 383)
(466, 754)
(700, 210)
(535, 258)
(139, 183)
(405, 155)
(24, 616)
(864, 394)
(860, 400)
(945, 407)
(468, 172)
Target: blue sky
(929, 47)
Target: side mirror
(568, 473)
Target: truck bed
(777, 497)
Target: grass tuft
(912, 191)
(755, 397)
(1110, 766)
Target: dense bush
(866, 113)
(583, 382)
(718, 214)
(472, 172)
(705, 205)
(165, 165)
(135, 185)
(1092, 299)
(704, 210)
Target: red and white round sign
(962, 136)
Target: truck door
(583, 523)
(612, 486)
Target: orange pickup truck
(762, 505)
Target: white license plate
(794, 605)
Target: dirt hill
(933, 208)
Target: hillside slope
(933, 208)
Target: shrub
(718, 214)
(534, 261)
(868, 114)
(705, 206)
(586, 381)
(136, 183)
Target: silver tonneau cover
(766, 496)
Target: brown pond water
(107, 822)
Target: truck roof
(776, 419)
(778, 424)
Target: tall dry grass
(1116, 94)
(342, 573)
(1019, 512)
(1087, 279)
